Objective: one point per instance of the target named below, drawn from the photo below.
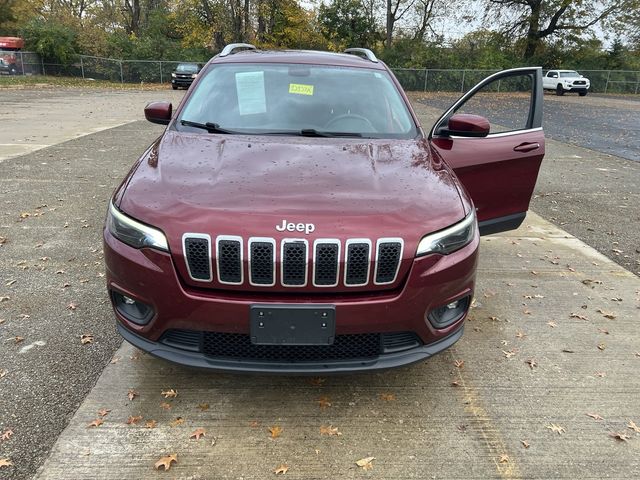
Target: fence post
(607, 84)
(82, 66)
(637, 82)
(42, 63)
(22, 62)
(426, 76)
(121, 75)
(462, 86)
(161, 72)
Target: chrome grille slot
(358, 260)
(262, 261)
(294, 263)
(326, 260)
(197, 255)
(229, 258)
(388, 256)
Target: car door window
(505, 103)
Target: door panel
(498, 171)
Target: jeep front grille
(293, 262)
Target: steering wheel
(345, 116)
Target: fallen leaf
(151, 424)
(455, 383)
(275, 431)
(254, 424)
(578, 316)
(552, 324)
(114, 360)
(520, 335)
(600, 374)
(96, 423)
(510, 353)
(603, 330)
(609, 315)
(525, 444)
(197, 433)
(18, 339)
(170, 393)
(3, 372)
(459, 363)
(365, 463)
(595, 416)
(556, 428)
(203, 406)
(630, 425)
(177, 421)
(533, 272)
(7, 435)
(132, 420)
(387, 397)
(282, 469)
(532, 363)
(317, 381)
(601, 346)
(86, 338)
(103, 412)
(165, 406)
(504, 458)
(623, 437)
(4, 299)
(324, 402)
(132, 394)
(330, 430)
(5, 462)
(166, 462)
(72, 306)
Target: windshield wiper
(209, 127)
(312, 132)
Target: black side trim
(501, 224)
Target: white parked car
(565, 81)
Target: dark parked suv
(295, 217)
(184, 75)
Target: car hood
(246, 185)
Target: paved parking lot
(543, 296)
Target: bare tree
(535, 20)
(396, 9)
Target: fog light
(133, 310)
(450, 313)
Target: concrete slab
(39, 118)
(553, 338)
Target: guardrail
(411, 79)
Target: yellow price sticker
(300, 89)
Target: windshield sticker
(300, 89)
(251, 96)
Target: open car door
(492, 138)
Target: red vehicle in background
(8, 59)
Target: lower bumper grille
(238, 346)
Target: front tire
(583, 94)
(559, 90)
(175, 87)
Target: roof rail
(364, 52)
(232, 47)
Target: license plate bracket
(292, 324)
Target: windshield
(292, 98)
(187, 68)
(569, 74)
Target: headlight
(173, 75)
(134, 233)
(450, 239)
(194, 75)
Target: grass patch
(46, 81)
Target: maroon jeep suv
(294, 217)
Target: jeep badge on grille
(307, 228)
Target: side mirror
(466, 125)
(158, 112)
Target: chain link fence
(411, 79)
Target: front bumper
(197, 360)
(182, 82)
(149, 276)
